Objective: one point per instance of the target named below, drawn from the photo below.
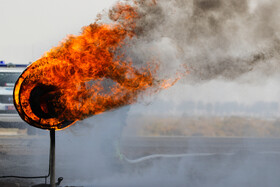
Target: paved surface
(154, 145)
(213, 162)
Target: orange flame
(85, 75)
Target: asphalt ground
(147, 161)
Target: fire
(85, 75)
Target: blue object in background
(2, 62)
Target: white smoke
(213, 38)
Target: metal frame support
(52, 158)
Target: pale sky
(31, 27)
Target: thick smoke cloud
(213, 38)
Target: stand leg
(52, 157)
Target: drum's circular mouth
(39, 104)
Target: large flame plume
(86, 75)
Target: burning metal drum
(38, 104)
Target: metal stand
(52, 158)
